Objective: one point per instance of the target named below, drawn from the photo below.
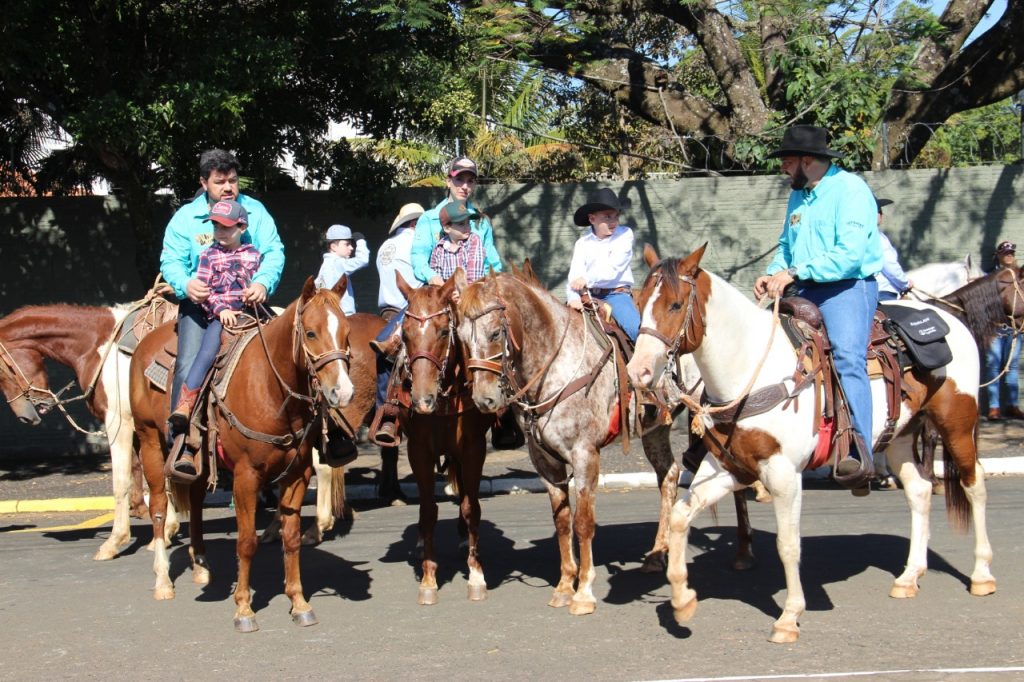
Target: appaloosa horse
(687, 309)
(266, 419)
(441, 419)
(83, 338)
(528, 350)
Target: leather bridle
(688, 332)
(440, 362)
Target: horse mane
(477, 296)
(981, 306)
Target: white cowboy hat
(405, 214)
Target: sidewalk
(70, 482)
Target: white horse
(934, 280)
(690, 310)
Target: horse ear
(458, 279)
(341, 286)
(403, 286)
(450, 285)
(528, 271)
(516, 272)
(308, 289)
(693, 260)
(651, 256)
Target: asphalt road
(64, 615)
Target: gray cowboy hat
(805, 140)
(600, 200)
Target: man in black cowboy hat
(1003, 355)
(830, 248)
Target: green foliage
(989, 134)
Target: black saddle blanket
(922, 331)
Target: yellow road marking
(100, 520)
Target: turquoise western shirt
(831, 231)
(428, 231)
(187, 235)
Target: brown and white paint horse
(278, 387)
(731, 340)
(81, 338)
(512, 329)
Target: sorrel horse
(525, 348)
(732, 342)
(265, 418)
(84, 339)
(441, 420)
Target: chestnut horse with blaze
(442, 420)
(267, 421)
(687, 309)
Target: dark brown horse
(266, 420)
(82, 338)
(441, 419)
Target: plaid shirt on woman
(227, 273)
(469, 256)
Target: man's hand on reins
(772, 285)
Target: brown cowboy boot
(389, 347)
(386, 434)
(183, 410)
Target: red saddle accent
(823, 449)
(614, 424)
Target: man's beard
(799, 179)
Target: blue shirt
(188, 234)
(891, 278)
(334, 266)
(428, 233)
(831, 231)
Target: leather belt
(602, 293)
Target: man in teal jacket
(830, 248)
(188, 234)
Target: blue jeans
(206, 355)
(887, 296)
(625, 313)
(847, 308)
(384, 367)
(996, 356)
(191, 325)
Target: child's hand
(436, 281)
(228, 318)
(578, 284)
(575, 304)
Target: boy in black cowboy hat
(602, 258)
(830, 247)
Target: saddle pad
(158, 375)
(923, 332)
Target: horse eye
(494, 335)
(675, 307)
(443, 332)
(310, 335)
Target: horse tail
(180, 498)
(338, 503)
(453, 478)
(958, 505)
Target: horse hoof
(477, 592)
(151, 546)
(427, 596)
(582, 608)
(163, 593)
(560, 600)
(312, 537)
(655, 562)
(104, 554)
(744, 563)
(305, 618)
(781, 635)
(246, 624)
(983, 588)
(200, 576)
(685, 613)
(903, 591)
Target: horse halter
(25, 387)
(686, 331)
(440, 362)
(315, 362)
(499, 362)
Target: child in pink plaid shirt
(459, 247)
(227, 267)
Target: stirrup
(170, 466)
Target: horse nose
(338, 396)
(31, 421)
(641, 378)
(426, 404)
(488, 404)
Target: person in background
(395, 255)
(602, 260)
(892, 280)
(1002, 355)
(346, 253)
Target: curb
(994, 466)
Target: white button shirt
(604, 263)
